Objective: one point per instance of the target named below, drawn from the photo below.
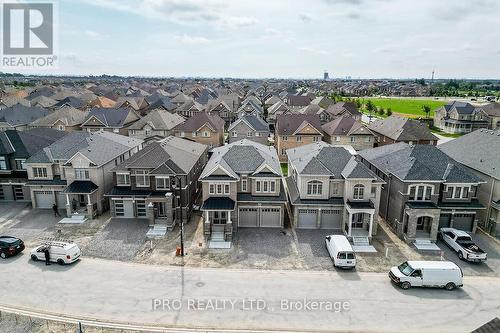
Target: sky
(281, 38)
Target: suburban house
(297, 101)
(136, 103)
(249, 127)
(295, 130)
(43, 102)
(15, 148)
(64, 119)
(156, 124)
(241, 187)
(346, 130)
(250, 107)
(202, 128)
(491, 113)
(157, 181)
(75, 171)
(344, 109)
(275, 110)
(221, 108)
(110, 119)
(102, 102)
(189, 109)
(479, 151)
(71, 101)
(460, 117)
(18, 117)
(330, 189)
(399, 129)
(425, 190)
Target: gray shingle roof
(198, 120)
(19, 114)
(68, 115)
(110, 117)
(287, 124)
(254, 122)
(402, 129)
(418, 162)
(479, 150)
(345, 126)
(158, 119)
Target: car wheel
(460, 255)
(405, 285)
(450, 286)
(3, 255)
(34, 257)
(60, 262)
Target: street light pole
(182, 221)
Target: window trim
(144, 175)
(314, 187)
(126, 176)
(358, 192)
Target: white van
(340, 251)
(61, 252)
(441, 274)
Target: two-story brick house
(295, 130)
(75, 171)
(329, 189)
(425, 190)
(460, 117)
(249, 127)
(151, 183)
(346, 130)
(202, 128)
(241, 187)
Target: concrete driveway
(492, 265)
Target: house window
(60, 127)
(265, 186)
(116, 130)
(162, 183)
(206, 134)
(3, 164)
(122, 179)
(40, 172)
(257, 134)
(194, 134)
(335, 188)
(249, 134)
(458, 192)
(315, 138)
(211, 188)
(283, 151)
(285, 138)
(368, 139)
(182, 134)
(148, 131)
(337, 138)
(244, 182)
(353, 139)
(20, 164)
(420, 192)
(234, 134)
(141, 178)
(359, 192)
(373, 192)
(314, 187)
(298, 138)
(82, 174)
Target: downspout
(488, 213)
(388, 197)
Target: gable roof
(345, 126)
(460, 107)
(418, 162)
(158, 119)
(68, 115)
(198, 120)
(244, 156)
(110, 117)
(71, 101)
(171, 155)
(402, 129)
(321, 158)
(479, 150)
(23, 144)
(20, 115)
(288, 124)
(254, 122)
(343, 107)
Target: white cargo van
(340, 251)
(61, 252)
(441, 274)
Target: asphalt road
(243, 299)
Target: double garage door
(125, 208)
(463, 222)
(330, 218)
(259, 217)
(46, 199)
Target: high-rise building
(325, 75)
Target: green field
(408, 107)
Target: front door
(219, 218)
(81, 200)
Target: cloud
(305, 17)
(344, 2)
(354, 16)
(313, 50)
(191, 40)
(94, 35)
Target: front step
(360, 241)
(217, 236)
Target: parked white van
(340, 251)
(441, 274)
(61, 252)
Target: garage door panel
(124, 208)
(270, 217)
(248, 217)
(44, 199)
(331, 218)
(463, 221)
(444, 221)
(307, 218)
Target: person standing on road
(47, 255)
(56, 210)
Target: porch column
(351, 216)
(206, 225)
(370, 227)
(90, 207)
(68, 206)
(229, 216)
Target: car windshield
(405, 268)
(464, 238)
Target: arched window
(359, 192)
(314, 187)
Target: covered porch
(81, 199)
(420, 221)
(360, 217)
(217, 218)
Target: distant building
(325, 75)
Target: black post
(182, 221)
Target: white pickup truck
(461, 242)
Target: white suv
(61, 252)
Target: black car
(10, 246)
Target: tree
(381, 111)
(427, 110)
(358, 103)
(389, 112)
(370, 107)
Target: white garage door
(307, 218)
(124, 208)
(44, 199)
(331, 218)
(248, 217)
(270, 217)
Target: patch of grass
(448, 135)
(407, 107)
(284, 169)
